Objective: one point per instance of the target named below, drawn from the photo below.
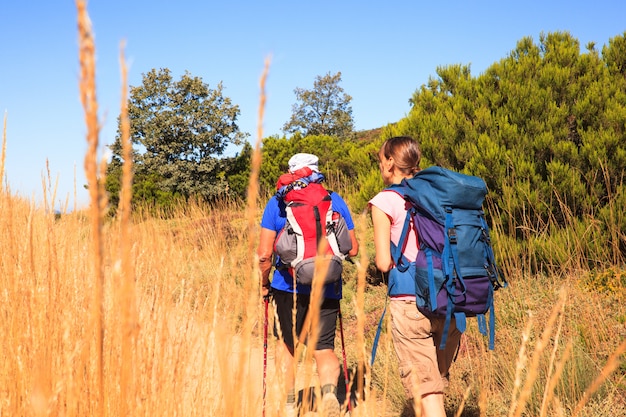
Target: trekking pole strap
(378, 331)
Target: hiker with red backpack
(423, 367)
(300, 218)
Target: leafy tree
(237, 171)
(544, 126)
(337, 158)
(346, 164)
(178, 130)
(275, 154)
(324, 110)
(615, 54)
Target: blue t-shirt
(274, 217)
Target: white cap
(301, 160)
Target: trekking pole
(345, 363)
(265, 324)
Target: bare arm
(264, 252)
(355, 244)
(382, 239)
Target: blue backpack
(455, 271)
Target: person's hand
(266, 291)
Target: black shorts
(327, 321)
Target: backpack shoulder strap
(402, 264)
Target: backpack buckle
(485, 236)
(491, 272)
(452, 235)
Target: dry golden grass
(194, 343)
(147, 316)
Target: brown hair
(405, 152)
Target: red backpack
(311, 218)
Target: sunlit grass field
(186, 336)
(154, 314)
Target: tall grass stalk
(87, 88)
(539, 347)
(548, 391)
(363, 374)
(125, 274)
(611, 365)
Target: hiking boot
(330, 405)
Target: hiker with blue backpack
(423, 368)
(431, 235)
(295, 220)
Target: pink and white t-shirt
(395, 206)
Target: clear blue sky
(384, 50)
